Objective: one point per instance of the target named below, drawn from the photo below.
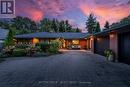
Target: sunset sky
(76, 11)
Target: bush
(7, 51)
(32, 50)
(44, 46)
(22, 46)
(108, 52)
(51, 47)
(17, 52)
(3, 56)
(54, 47)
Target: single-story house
(67, 39)
(117, 39)
(3, 35)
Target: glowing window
(75, 41)
(35, 40)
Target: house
(117, 39)
(67, 39)
(3, 35)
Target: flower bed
(41, 49)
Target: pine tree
(90, 24)
(107, 26)
(77, 30)
(9, 40)
(97, 29)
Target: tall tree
(9, 40)
(47, 25)
(77, 30)
(62, 26)
(24, 25)
(97, 29)
(107, 25)
(54, 27)
(90, 24)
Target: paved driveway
(71, 69)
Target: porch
(66, 43)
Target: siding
(100, 44)
(124, 47)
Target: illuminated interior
(35, 41)
(75, 41)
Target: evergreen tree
(107, 26)
(9, 40)
(23, 25)
(90, 24)
(54, 27)
(77, 30)
(97, 29)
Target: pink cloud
(104, 13)
(34, 14)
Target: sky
(76, 11)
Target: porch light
(98, 39)
(111, 35)
(91, 39)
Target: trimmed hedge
(17, 52)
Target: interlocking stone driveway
(70, 69)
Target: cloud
(128, 2)
(106, 13)
(27, 8)
(110, 10)
(35, 14)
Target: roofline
(47, 37)
(110, 30)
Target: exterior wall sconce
(98, 39)
(111, 35)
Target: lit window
(35, 40)
(75, 41)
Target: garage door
(101, 44)
(124, 47)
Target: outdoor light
(98, 39)
(111, 35)
(91, 38)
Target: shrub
(51, 47)
(17, 52)
(108, 52)
(22, 46)
(7, 50)
(44, 46)
(54, 46)
(32, 50)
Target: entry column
(114, 44)
(92, 43)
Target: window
(35, 40)
(75, 41)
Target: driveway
(70, 69)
